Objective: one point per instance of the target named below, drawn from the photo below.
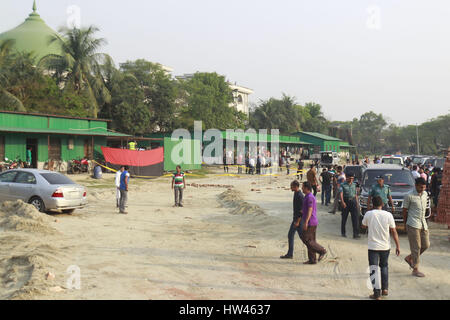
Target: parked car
(46, 190)
(435, 162)
(392, 160)
(398, 178)
(328, 158)
(420, 160)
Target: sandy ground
(205, 250)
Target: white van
(392, 160)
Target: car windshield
(394, 178)
(392, 160)
(439, 163)
(56, 178)
(326, 157)
(355, 170)
(418, 160)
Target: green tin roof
(74, 132)
(320, 136)
(33, 36)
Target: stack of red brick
(443, 210)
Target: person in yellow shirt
(132, 145)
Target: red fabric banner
(133, 158)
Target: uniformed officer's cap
(350, 175)
(380, 177)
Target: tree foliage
(207, 97)
(287, 116)
(77, 69)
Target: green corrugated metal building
(324, 142)
(52, 137)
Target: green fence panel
(170, 161)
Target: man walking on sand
(380, 223)
(295, 225)
(309, 227)
(178, 185)
(124, 180)
(414, 210)
(118, 174)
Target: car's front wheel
(37, 203)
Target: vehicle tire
(68, 211)
(37, 203)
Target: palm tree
(78, 66)
(7, 99)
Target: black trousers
(314, 187)
(351, 208)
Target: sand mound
(20, 216)
(28, 251)
(233, 199)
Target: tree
(160, 92)
(282, 114)
(77, 68)
(8, 101)
(207, 98)
(127, 107)
(287, 116)
(371, 126)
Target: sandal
(309, 262)
(418, 274)
(409, 263)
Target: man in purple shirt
(310, 222)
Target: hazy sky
(350, 56)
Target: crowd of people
(378, 219)
(334, 183)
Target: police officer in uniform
(383, 191)
(349, 200)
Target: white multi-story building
(240, 96)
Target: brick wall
(443, 210)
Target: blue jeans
(379, 258)
(326, 193)
(291, 236)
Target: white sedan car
(46, 190)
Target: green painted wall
(22, 121)
(15, 146)
(48, 122)
(169, 165)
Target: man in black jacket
(297, 216)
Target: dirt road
(210, 251)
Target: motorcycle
(84, 165)
(78, 166)
(74, 167)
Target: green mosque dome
(33, 36)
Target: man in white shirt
(252, 165)
(380, 223)
(415, 173)
(117, 181)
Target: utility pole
(417, 134)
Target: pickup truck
(398, 178)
